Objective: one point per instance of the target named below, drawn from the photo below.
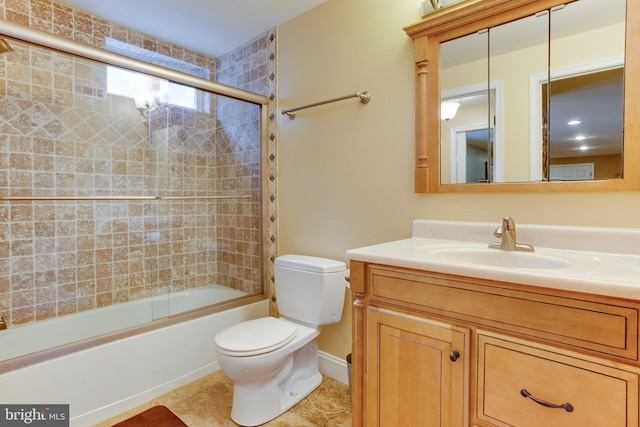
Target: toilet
(273, 362)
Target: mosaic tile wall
(63, 257)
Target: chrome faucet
(507, 232)
(3, 322)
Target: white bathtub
(108, 379)
(30, 338)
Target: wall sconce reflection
(448, 109)
(144, 107)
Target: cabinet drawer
(583, 322)
(599, 395)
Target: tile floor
(207, 403)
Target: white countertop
(603, 261)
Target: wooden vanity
(435, 349)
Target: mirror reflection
(586, 96)
(519, 85)
(466, 110)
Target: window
(146, 89)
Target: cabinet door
(520, 384)
(416, 371)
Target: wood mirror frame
(473, 15)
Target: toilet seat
(254, 337)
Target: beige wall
(345, 170)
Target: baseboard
(333, 367)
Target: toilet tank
(310, 289)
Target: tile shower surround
(63, 257)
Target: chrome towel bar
(365, 97)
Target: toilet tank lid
(310, 263)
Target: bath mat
(158, 416)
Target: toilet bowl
(260, 391)
(273, 362)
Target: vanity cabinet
(435, 349)
(417, 370)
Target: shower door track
(42, 38)
(108, 198)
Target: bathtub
(105, 380)
(33, 337)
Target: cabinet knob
(454, 355)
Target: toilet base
(263, 399)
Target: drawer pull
(454, 355)
(566, 406)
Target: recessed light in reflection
(574, 122)
(580, 138)
(583, 148)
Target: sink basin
(496, 258)
(595, 260)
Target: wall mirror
(531, 97)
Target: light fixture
(580, 138)
(573, 122)
(430, 6)
(584, 148)
(448, 109)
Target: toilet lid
(254, 337)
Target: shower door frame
(57, 43)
